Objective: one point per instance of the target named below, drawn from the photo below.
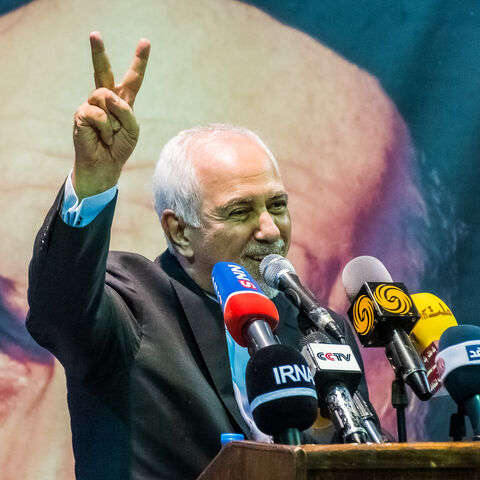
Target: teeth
(258, 258)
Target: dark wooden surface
(410, 461)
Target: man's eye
(279, 206)
(239, 212)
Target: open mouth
(257, 258)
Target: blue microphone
(280, 387)
(249, 314)
(458, 361)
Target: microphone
(435, 318)
(281, 390)
(337, 375)
(368, 418)
(383, 313)
(250, 316)
(279, 273)
(280, 387)
(458, 361)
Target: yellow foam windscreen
(435, 318)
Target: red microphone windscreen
(242, 308)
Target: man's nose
(267, 228)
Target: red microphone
(249, 314)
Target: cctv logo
(334, 356)
(294, 373)
(329, 357)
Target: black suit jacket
(144, 351)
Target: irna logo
(293, 373)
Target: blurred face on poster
(342, 148)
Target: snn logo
(242, 276)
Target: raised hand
(105, 129)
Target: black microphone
(337, 375)
(280, 387)
(279, 273)
(281, 391)
(458, 361)
(383, 314)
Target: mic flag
(242, 300)
(336, 375)
(378, 306)
(331, 363)
(435, 318)
(382, 314)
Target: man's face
(244, 212)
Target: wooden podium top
(390, 461)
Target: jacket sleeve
(85, 324)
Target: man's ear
(177, 232)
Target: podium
(389, 461)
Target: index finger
(133, 78)
(101, 65)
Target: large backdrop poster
(372, 109)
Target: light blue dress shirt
(79, 214)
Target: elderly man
(143, 343)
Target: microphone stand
(457, 425)
(289, 437)
(400, 403)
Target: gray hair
(175, 185)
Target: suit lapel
(287, 330)
(206, 321)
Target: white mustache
(253, 249)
